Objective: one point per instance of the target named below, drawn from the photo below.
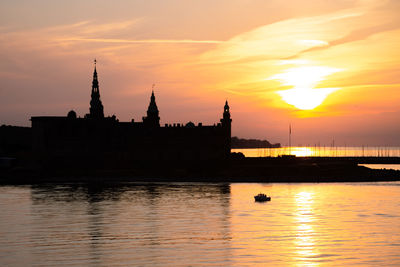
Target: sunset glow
(332, 69)
(304, 95)
(200, 133)
(305, 98)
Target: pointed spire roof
(96, 107)
(152, 98)
(226, 107)
(153, 118)
(152, 106)
(95, 82)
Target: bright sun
(304, 98)
(303, 79)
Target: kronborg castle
(96, 139)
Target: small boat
(262, 198)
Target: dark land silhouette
(96, 148)
(237, 142)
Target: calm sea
(184, 224)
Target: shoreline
(246, 170)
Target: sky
(330, 69)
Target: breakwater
(263, 169)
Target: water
(325, 151)
(199, 224)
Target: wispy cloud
(90, 27)
(356, 35)
(148, 41)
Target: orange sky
(270, 59)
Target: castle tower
(226, 123)
(153, 118)
(226, 115)
(96, 107)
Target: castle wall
(108, 141)
(14, 140)
(96, 140)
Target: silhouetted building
(14, 140)
(96, 107)
(105, 140)
(153, 119)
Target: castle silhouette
(96, 139)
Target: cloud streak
(356, 35)
(148, 41)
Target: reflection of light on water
(322, 151)
(304, 240)
(303, 197)
(301, 151)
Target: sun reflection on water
(321, 151)
(304, 217)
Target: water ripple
(200, 224)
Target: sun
(304, 98)
(303, 79)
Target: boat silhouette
(262, 198)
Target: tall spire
(226, 107)
(96, 107)
(226, 123)
(226, 114)
(95, 83)
(153, 109)
(152, 118)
